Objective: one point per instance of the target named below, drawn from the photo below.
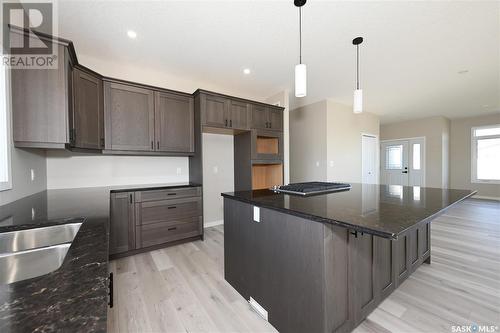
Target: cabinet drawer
(170, 193)
(159, 233)
(165, 211)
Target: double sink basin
(25, 254)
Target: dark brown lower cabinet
(122, 223)
(310, 276)
(148, 218)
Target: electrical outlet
(317, 163)
(179, 171)
(33, 214)
(32, 174)
(216, 169)
(331, 164)
(256, 214)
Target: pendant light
(358, 93)
(300, 69)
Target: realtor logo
(27, 28)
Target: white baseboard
(213, 223)
(485, 197)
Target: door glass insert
(416, 156)
(394, 157)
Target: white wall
(218, 175)
(67, 169)
(436, 131)
(344, 130)
(460, 155)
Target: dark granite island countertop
(73, 298)
(382, 210)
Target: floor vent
(258, 308)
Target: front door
(394, 157)
(402, 162)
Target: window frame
(7, 185)
(473, 141)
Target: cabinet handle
(171, 193)
(173, 228)
(157, 145)
(270, 125)
(225, 122)
(152, 145)
(110, 286)
(230, 123)
(171, 207)
(130, 197)
(102, 142)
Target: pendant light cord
(357, 67)
(300, 35)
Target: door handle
(405, 171)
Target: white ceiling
(409, 59)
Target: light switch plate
(256, 214)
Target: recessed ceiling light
(247, 71)
(463, 71)
(132, 34)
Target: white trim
(473, 154)
(475, 196)
(4, 186)
(377, 156)
(403, 139)
(212, 223)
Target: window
(5, 178)
(485, 149)
(416, 156)
(394, 157)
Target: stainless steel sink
(14, 241)
(27, 264)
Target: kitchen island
(323, 263)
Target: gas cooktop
(311, 188)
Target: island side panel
(279, 263)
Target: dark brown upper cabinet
(87, 121)
(41, 99)
(174, 123)
(267, 118)
(215, 110)
(239, 115)
(129, 117)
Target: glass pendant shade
(358, 101)
(300, 80)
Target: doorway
(369, 159)
(403, 162)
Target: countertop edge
(315, 218)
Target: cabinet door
(88, 123)
(238, 115)
(122, 223)
(41, 104)
(214, 111)
(275, 119)
(174, 123)
(260, 117)
(129, 113)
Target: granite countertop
(382, 210)
(74, 297)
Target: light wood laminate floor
(182, 288)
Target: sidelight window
(485, 148)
